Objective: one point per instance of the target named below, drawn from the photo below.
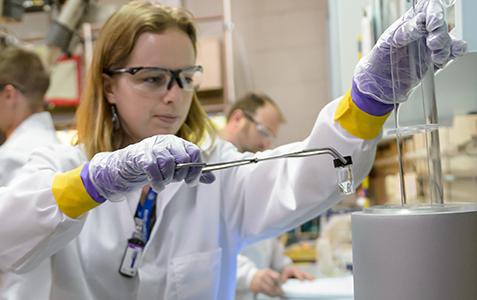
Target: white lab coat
(266, 254)
(35, 131)
(199, 230)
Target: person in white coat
(110, 235)
(25, 124)
(252, 123)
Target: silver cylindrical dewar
(415, 252)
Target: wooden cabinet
(210, 57)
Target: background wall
(280, 48)
(344, 29)
(466, 22)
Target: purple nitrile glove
(89, 186)
(153, 160)
(394, 66)
(368, 104)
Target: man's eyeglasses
(262, 130)
(158, 81)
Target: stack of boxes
(458, 159)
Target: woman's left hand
(416, 42)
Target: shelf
(63, 116)
(214, 108)
(211, 18)
(212, 100)
(418, 155)
(455, 177)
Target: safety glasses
(157, 81)
(262, 130)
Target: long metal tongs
(208, 167)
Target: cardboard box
(463, 129)
(461, 190)
(419, 141)
(377, 189)
(209, 56)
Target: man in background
(25, 126)
(252, 124)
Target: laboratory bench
(322, 288)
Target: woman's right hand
(150, 161)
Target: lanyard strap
(145, 215)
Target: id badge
(132, 257)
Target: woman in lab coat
(81, 205)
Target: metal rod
(228, 51)
(402, 183)
(432, 136)
(432, 139)
(402, 180)
(208, 167)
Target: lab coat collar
(41, 119)
(208, 145)
(34, 121)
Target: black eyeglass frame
(174, 73)
(261, 128)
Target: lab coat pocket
(197, 276)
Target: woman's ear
(108, 89)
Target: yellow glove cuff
(71, 195)
(357, 122)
